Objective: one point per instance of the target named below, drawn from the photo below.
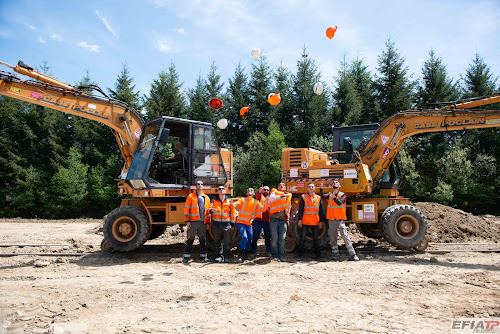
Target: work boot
(219, 259)
(240, 256)
(354, 258)
(185, 260)
(204, 258)
(245, 255)
(226, 260)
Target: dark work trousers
(200, 229)
(303, 233)
(222, 231)
(258, 226)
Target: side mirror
(164, 136)
(348, 145)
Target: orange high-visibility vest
(191, 209)
(248, 210)
(259, 213)
(280, 204)
(335, 211)
(223, 212)
(311, 210)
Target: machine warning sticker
(360, 215)
(137, 133)
(369, 207)
(15, 89)
(300, 184)
(350, 173)
(385, 153)
(304, 165)
(493, 121)
(384, 139)
(294, 172)
(36, 95)
(293, 188)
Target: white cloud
(163, 46)
(91, 47)
(32, 27)
(421, 60)
(41, 40)
(108, 26)
(56, 37)
(180, 31)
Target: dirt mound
(446, 224)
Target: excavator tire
(403, 226)
(126, 228)
(157, 231)
(370, 230)
(295, 231)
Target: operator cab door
(207, 163)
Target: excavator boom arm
(125, 122)
(386, 142)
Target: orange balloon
(274, 99)
(331, 31)
(244, 112)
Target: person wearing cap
(248, 208)
(223, 219)
(197, 217)
(261, 221)
(336, 214)
(310, 207)
(279, 209)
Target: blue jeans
(258, 226)
(278, 234)
(246, 233)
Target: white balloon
(318, 88)
(256, 53)
(222, 123)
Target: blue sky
(73, 36)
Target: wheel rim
(124, 229)
(321, 232)
(289, 244)
(407, 227)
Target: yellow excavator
(163, 158)
(370, 175)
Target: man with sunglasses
(223, 220)
(197, 217)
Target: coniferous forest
(54, 165)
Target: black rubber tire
(106, 247)
(308, 243)
(422, 246)
(128, 216)
(157, 231)
(370, 230)
(392, 221)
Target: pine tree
(364, 85)
(478, 79)
(125, 89)
(214, 88)
(347, 102)
(393, 85)
(236, 133)
(259, 88)
(198, 102)
(165, 96)
(435, 85)
(309, 111)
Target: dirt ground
(151, 291)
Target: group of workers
(268, 211)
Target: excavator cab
(359, 136)
(174, 153)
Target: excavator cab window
(140, 163)
(207, 165)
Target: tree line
(55, 165)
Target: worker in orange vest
(223, 219)
(261, 221)
(197, 217)
(248, 208)
(336, 214)
(309, 215)
(279, 220)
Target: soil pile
(446, 224)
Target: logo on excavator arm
(450, 123)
